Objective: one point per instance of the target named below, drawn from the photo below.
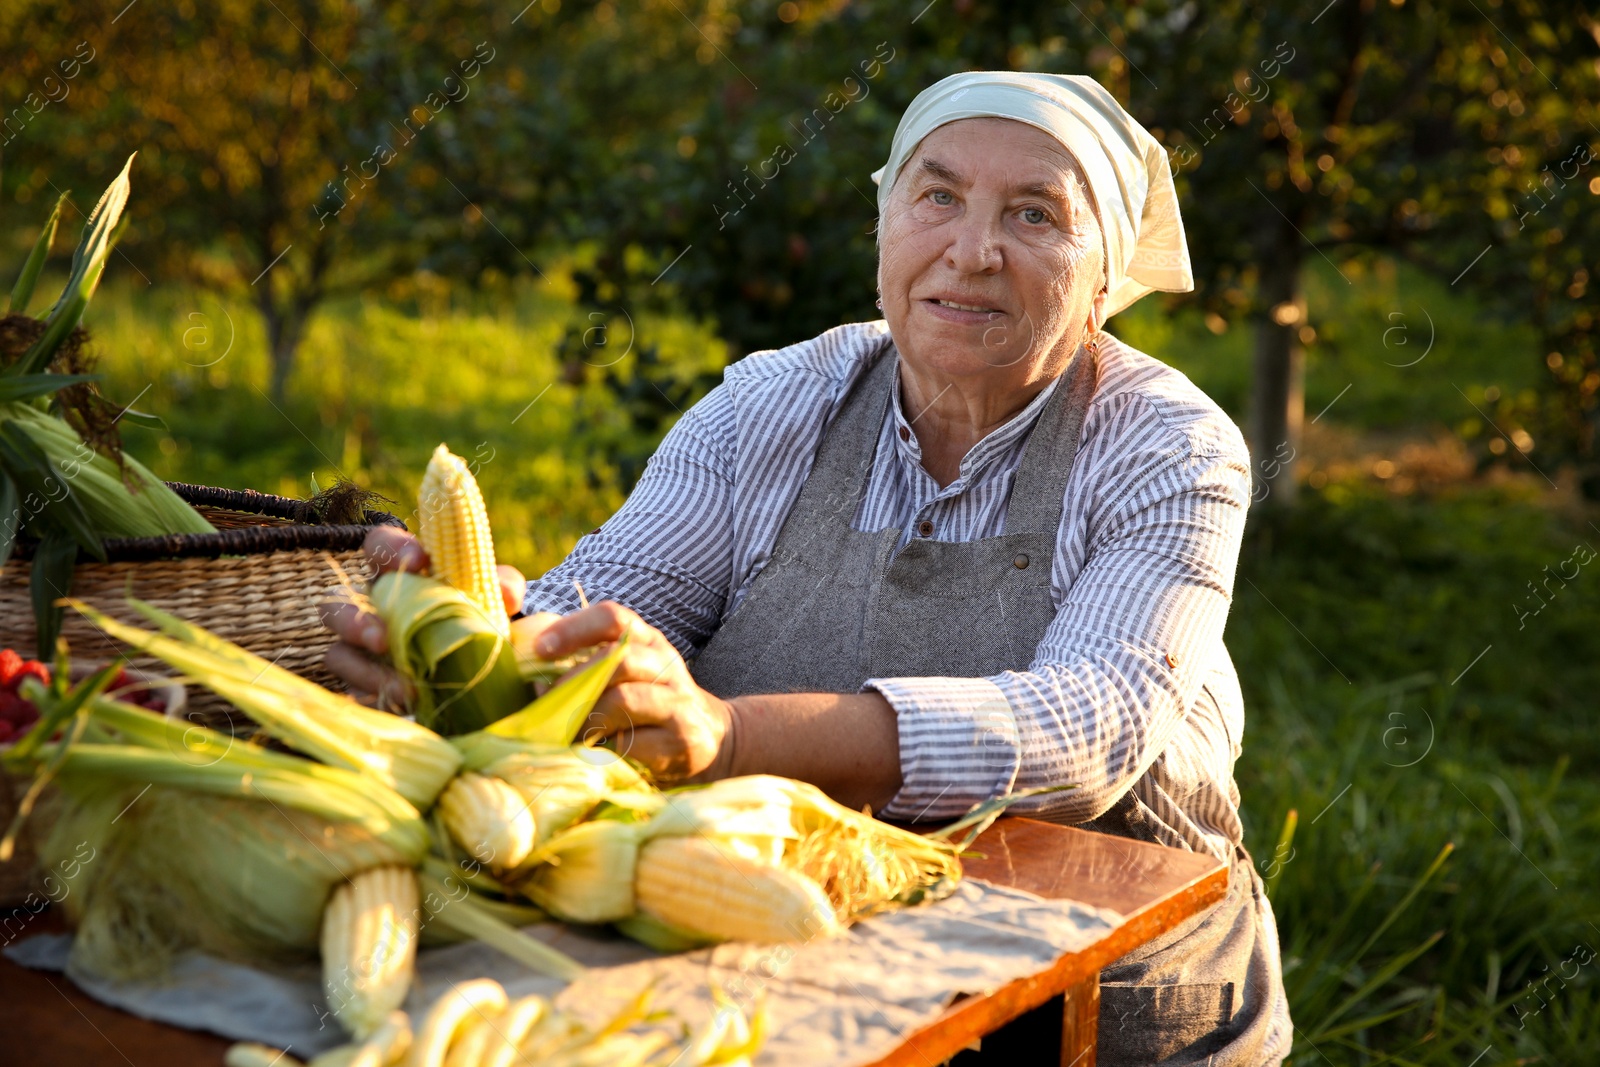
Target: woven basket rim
(298, 534)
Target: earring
(1092, 345)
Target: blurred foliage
(715, 159)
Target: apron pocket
(1144, 1025)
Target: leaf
(87, 264)
(29, 465)
(51, 579)
(22, 292)
(10, 516)
(556, 717)
(28, 386)
(74, 705)
(1285, 839)
(143, 418)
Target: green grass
(1355, 621)
(379, 383)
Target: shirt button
(1172, 661)
(924, 528)
(905, 434)
(1021, 563)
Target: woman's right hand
(360, 656)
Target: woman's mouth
(957, 311)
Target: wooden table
(47, 1021)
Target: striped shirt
(1131, 685)
(1130, 688)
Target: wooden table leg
(1080, 1023)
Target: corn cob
(469, 1000)
(489, 819)
(697, 884)
(453, 527)
(586, 874)
(369, 946)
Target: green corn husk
(453, 906)
(557, 717)
(239, 879)
(462, 667)
(126, 502)
(402, 755)
(585, 873)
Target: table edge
(972, 1017)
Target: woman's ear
(1097, 314)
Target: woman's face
(990, 255)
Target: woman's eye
(941, 197)
(1034, 215)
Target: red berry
(35, 668)
(9, 663)
(7, 731)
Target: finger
(513, 587)
(353, 626)
(393, 549)
(593, 625)
(361, 672)
(658, 665)
(526, 630)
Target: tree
(303, 141)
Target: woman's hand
(652, 709)
(361, 655)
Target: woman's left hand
(652, 710)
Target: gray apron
(835, 606)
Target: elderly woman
(975, 547)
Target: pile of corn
(477, 1025)
(373, 834)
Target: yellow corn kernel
(453, 527)
(700, 885)
(489, 819)
(369, 946)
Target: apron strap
(832, 491)
(1041, 480)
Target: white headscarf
(1129, 181)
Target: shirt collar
(999, 443)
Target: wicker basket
(256, 582)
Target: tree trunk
(284, 328)
(1277, 406)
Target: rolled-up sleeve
(1119, 666)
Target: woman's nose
(975, 247)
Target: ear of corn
(695, 884)
(489, 819)
(586, 874)
(369, 946)
(459, 660)
(451, 1013)
(475, 1024)
(453, 527)
(558, 786)
(399, 754)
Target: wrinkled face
(990, 255)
